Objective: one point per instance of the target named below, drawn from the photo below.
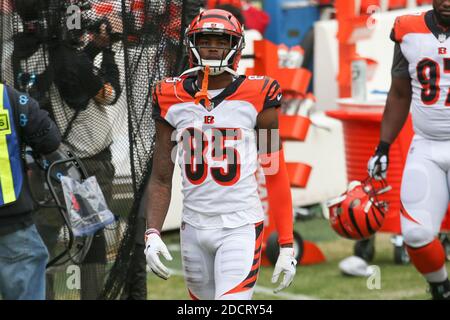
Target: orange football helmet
(219, 22)
(357, 214)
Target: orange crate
(294, 127)
(298, 174)
(293, 80)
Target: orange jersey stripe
(169, 92)
(409, 24)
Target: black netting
(93, 72)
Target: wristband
(152, 230)
(383, 147)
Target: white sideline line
(263, 290)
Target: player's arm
(160, 184)
(395, 114)
(397, 108)
(158, 193)
(278, 189)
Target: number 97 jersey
(426, 49)
(217, 145)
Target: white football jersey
(217, 147)
(426, 48)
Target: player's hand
(379, 162)
(285, 265)
(154, 246)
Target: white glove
(153, 247)
(378, 163)
(377, 166)
(285, 264)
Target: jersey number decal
(429, 75)
(195, 145)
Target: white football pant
(425, 190)
(221, 263)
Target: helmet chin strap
(216, 67)
(191, 70)
(202, 68)
(234, 73)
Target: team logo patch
(209, 120)
(5, 127)
(213, 25)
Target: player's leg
(198, 263)
(237, 262)
(424, 196)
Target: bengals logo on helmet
(357, 214)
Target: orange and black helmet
(218, 22)
(357, 214)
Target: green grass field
(322, 281)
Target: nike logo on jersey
(209, 119)
(279, 96)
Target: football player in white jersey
(210, 113)
(421, 82)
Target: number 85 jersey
(217, 147)
(425, 57)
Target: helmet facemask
(229, 59)
(220, 23)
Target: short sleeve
(157, 113)
(273, 95)
(400, 65)
(395, 34)
(156, 109)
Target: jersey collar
(440, 34)
(191, 88)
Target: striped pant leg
(237, 262)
